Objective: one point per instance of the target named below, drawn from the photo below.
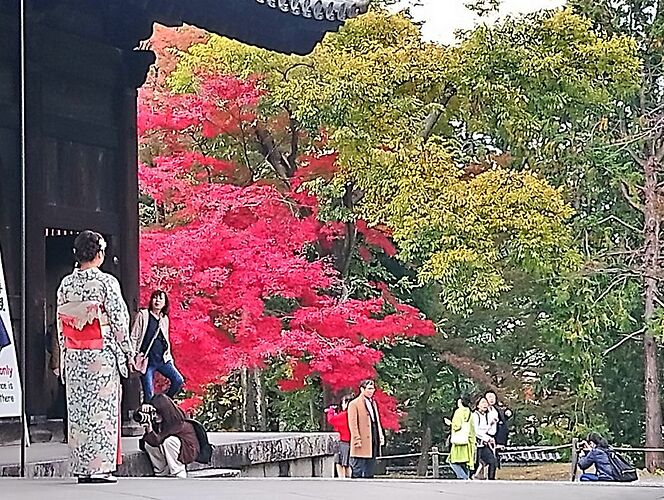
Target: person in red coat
(337, 417)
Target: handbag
(141, 359)
(462, 436)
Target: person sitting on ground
(170, 441)
(337, 417)
(595, 452)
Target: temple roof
(288, 26)
(322, 9)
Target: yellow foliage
(373, 84)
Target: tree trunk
(434, 115)
(329, 398)
(429, 370)
(253, 400)
(314, 415)
(273, 155)
(427, 441)
(351, 234)
(261, 399)
(653, 424)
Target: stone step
(40, 435)
(43, 431)
(212, 473)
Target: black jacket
(503, 427)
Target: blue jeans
(362, 467)
(589, 476)
(169, 371)
(461, 470)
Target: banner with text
(10, 383)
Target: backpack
(205, 453)
(623, 471)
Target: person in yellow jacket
(462, 452)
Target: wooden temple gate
(82, 75)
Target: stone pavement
(322, 489)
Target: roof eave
(287, 26)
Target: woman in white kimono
(93, 330)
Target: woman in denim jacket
(596, 452)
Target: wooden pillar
(574, 461)
(35, 242)
(135, 64)
(435, 461)
(10, 188)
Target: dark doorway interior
(59, 262)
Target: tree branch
(432, 118)
(625, 339)
(659, 154)
(622, 222)
(623, 128)
(243, 141)
(271, 153)
(618, 252)
(635, 156)
(294, 143)
(628, 198)
(609, 288)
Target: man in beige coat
(366, 431)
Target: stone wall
(259, 455)
(252, 454)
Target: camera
(581, 446)
(145, 414)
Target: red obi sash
(81, 327)
(87, 338)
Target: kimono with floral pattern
(91, 371)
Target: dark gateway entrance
(82, 75)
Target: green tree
(470, 229)
(636, 140)
(457, 152)
(372, 86)
(576, 100)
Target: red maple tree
(238, 256)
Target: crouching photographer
(595, 452)
(170, 440)
(609, 465)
